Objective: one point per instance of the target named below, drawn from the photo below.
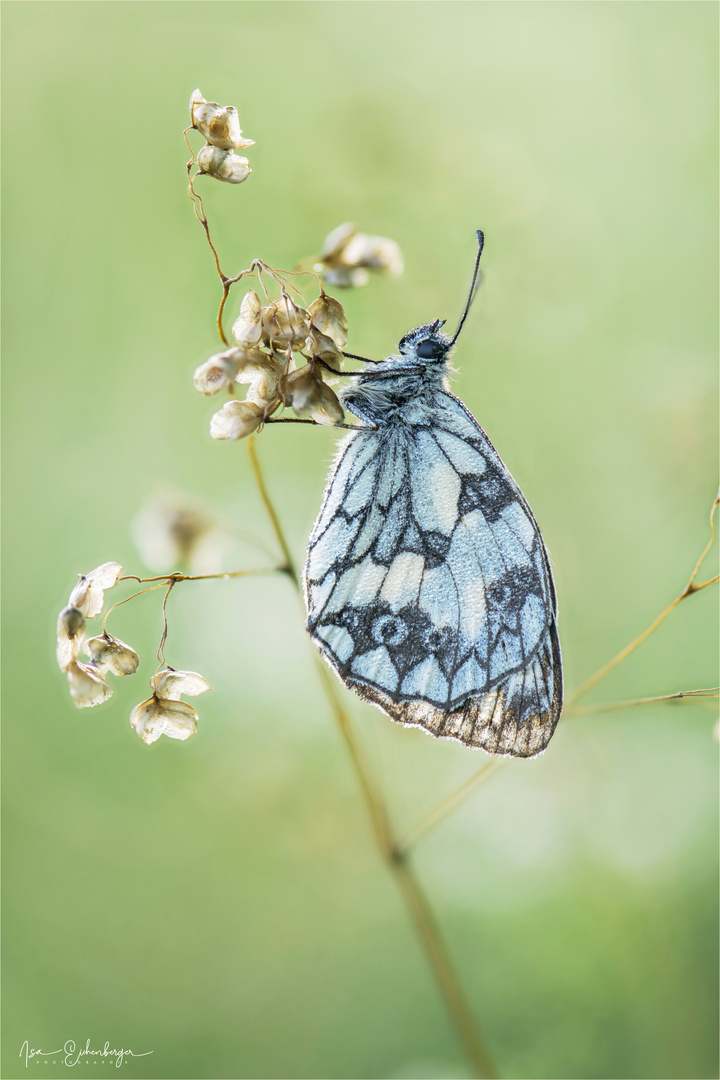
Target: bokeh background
(220, 902)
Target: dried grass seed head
(70, 627)
(108, 653)
(284, 323)
(218, 123)
(263, 388)
(319, 344)
(306, 393)
(327, 315)
(248, 327)
(88, 594)
(347, 254)
(376, 252)
(335, 243)
(236, 419)
(170, 684)
(87, 686)
(164, 713)
(155, 717)
(223, 165)
(168, 530)
(343, 277)
(219, 372)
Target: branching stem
(689, 589)
(391, 851)
(175, 578)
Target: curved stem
(289, 566)
(440, 812)
(392, 853)
(689, 589)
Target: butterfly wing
(429, 589)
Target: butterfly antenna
(477, 278)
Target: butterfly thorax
(398, 390)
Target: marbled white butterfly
(427, 582)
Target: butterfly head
(426, 342)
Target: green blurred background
(221, 902)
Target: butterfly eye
(428, 349)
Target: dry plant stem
(585, 710)
(436, 816)
(689, 589)
(394, 857)
(163, 636)
(199, 577)
(445, 808)
(257, 264)
(289, 566)
(199, 210)
(134, 595)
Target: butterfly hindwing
(428, 585)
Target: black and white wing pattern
(428, 586)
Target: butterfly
(427, 583)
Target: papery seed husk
(111, 654)
(236, 420)
(343, 277)
(376, 252)
(263, 391)
(221, 128)
(328, 411)
(167, 531)
(259, 362)
(169, 685)
(321, 345)
(223, 165)
(70, 625)
(305, 391)
(88, 593)
(300, 386)
(196, 98)
(106, 574)
(284, 321)
(154, 717)
(251, 306)
(247, 333)
(327, 315)
(336, 240)
(218, 372)
(87, 687)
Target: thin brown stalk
(129, 598)
(289, 565)
(585, 710)
(392, 854)
(445, 808)
(201, 577)
(163, 636)
(689, 589)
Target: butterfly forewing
(428, 585)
